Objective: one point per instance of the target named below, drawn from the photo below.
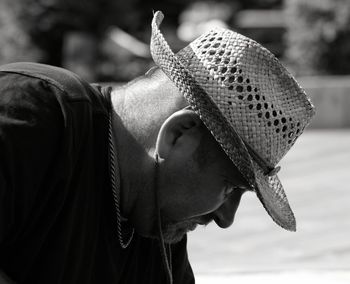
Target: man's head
(229, 99)
(250, 103)
(197, 182)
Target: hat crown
(254, 92)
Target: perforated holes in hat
(275, 118)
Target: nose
(225, 214)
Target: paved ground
(316, 176)
(300, 277)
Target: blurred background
(108, 41)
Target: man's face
(198, 188)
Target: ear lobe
(180, 123)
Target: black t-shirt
(57, 216)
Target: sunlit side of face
(197, 188)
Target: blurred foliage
(260, 4)
(42, 31)
(318, 36)
(73, 33)
(48, 22)
(15, 43)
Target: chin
(173, 233)
(173, 239)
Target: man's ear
(182, 129)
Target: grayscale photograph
(174, 141)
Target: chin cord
(163, 250)
(115, 184)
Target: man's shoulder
(65, 81)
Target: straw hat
(250, 103)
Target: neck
(140, 109)
(136, 168)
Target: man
(101, 186)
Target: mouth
(204, 220)
(174, 232)
(192, 227)
(199, 222)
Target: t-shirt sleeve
(182, 271)
(30, 127)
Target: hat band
(267, 169)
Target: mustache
(204, 219)
(174, 231)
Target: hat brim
(268, 188)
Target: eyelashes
(229, 188)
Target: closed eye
(242, 185)
(229, 188)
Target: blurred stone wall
(331, 97)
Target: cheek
(188, 191)
(176, 190)
(199, 198)
(210, 196)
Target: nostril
(223, 222)
(225, 214)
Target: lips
(201, 222)
(192, 227)
(205, 220)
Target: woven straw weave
(248, 101)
